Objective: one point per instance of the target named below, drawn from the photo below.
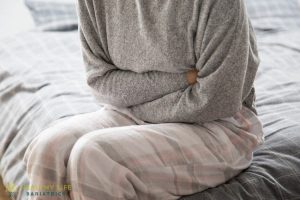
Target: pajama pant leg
(47, 156)
(161, 161)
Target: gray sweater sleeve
(108, 83)
(227, 63)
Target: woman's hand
(192, 76)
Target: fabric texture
(275, 15)
(51, 15)
(148, 38)
(275, 8)
(106, 154)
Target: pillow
(264, 14)
(53, 14)
(274, 14)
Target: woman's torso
(158, 35)
(147, 35)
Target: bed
(42, 80)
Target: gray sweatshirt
(137, 54)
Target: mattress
(42, 80)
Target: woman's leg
(47, 156)
(161, 161)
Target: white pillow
(274, 14)
(53, 14)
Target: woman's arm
(227, 64)
(110, 84)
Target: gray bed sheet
(42, 79)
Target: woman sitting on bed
(175, 79)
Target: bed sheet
(42, 80)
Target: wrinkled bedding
(42, 80)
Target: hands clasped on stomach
(192, 76)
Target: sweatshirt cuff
(181, 80)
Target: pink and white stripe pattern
(107, 154)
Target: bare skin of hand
(192, 76)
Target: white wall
(14, 17)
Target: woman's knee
(90, 164)
(81, 161)
(49, 144)
(88, 153)
(83, 150)
(60, 135)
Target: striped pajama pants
(107, 155)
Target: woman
(175, 79)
